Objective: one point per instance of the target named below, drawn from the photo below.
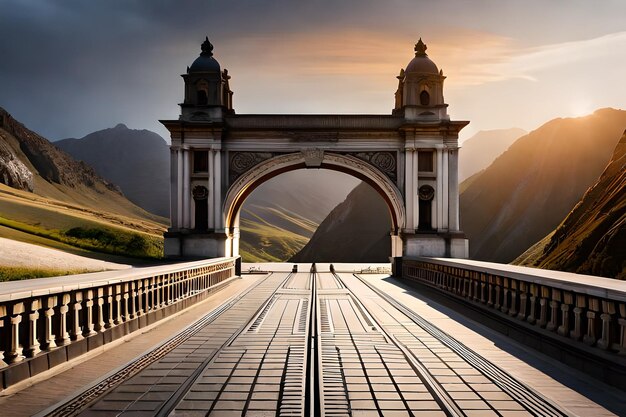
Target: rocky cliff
(136, 160)
(50, 163)
(357, 230)
(527, 191)
(32, 163)
(592, 238)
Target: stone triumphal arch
(410, 157)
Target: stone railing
(582, 308)
(45, 322)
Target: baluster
(89, 322)
(594, 306)
(118, 305)
(483, 285)
(554, 304)
(33, 343)
(131, 295)
(125, 296)
(581, 303)
(622, 329)
(532, 312)
(48, 342)
(14, 352)
(63, 336)
(139, 284)
(3, 337)
(568, 300)
(100, 322)
(497, 291)
(513, 289)
(110, 294)
(76, 331)
(505, 296)
(543, 307)
(608, 310)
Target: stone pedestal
(436, 245)
(191, 244)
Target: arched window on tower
(202, 98)
(201, 200)
(424, 98)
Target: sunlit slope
(48, 222)
(44, 192)
(479, 151)
(592, 238)
(267, 242)
(529, 189)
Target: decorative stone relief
(384, 161)
(313, 157)
(200, 192)
(241, 162)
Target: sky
(70, 67)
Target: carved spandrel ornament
(241, 162)
(384, 161)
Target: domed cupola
(205, 62)
(207, 90)
(421, 64)
(420, 88)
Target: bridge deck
(301, 344)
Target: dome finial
(207, 47)
(420, 48)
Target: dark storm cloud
(68, 67)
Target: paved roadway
(323, 343)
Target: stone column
(414, 190)
(179, 188)
(445, 193)
(408, 189)
(211, 188)
(217, 190)
(453, 190)
(174, 188)
(186, 189)
(439, 193)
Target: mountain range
(135, 160)
(528, 190)
(357, 230)
(281, 215)
(49, 198)
(592, 238)
(479, 151)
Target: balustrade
(40, 316)
(581, 308)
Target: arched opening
(202, 98)
(249, 181)
(201, 207)
(425, 98)
(202, 93)
(426, 195)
